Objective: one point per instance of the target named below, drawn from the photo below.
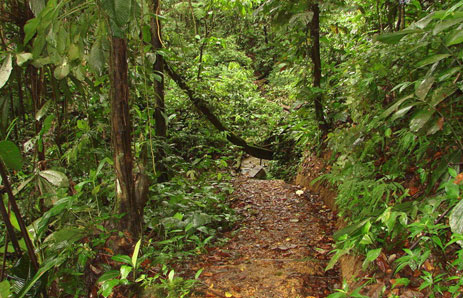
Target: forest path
(280, 248)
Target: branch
(202, 106)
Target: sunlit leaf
(22, 58)
(395, 106)
(456, 219)
(5, 70)
(424, 87)
(111, 274)
(11, 155)
(432, 59)
(445, 25)
(440, 94)
(420, 119)
(56, 178)
(43, 110)
(125, 271)
(122, 259)
(455, 37)
(96, 58)
(402, 111)
(395, 37)
(135, 253)
(4, 289)
(62, 71)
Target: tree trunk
(159, 110)
(314, 27)
(121, 135)
(202, 106)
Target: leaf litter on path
(279, 249)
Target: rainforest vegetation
(123, 124)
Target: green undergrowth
(396, 163)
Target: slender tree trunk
(121, 135)
(36, 84)
(314, 27)
(159, 110)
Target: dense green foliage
(391, 88)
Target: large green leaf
(440, 94)
(96, 58)
(43, 110)
(420, 119)
(56, 178)
(47, 265)
(455, 37)
(456, 218)
(22, 58)
(4, 289)
(432, 59)
(37, 6)
(395, 37)
(62, 71)
(30, 29)
(424, 87)
(5, 70)
(395, 106)
(10, 155)
(122, 11)
(402, 111)
(445, 25)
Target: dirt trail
(279, 249)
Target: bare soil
(280, 248)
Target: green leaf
(424, 87)
(56, 178)
(47, 265)
(432, 59)
(4, 289)
(38, 46)
(43, 110)
(107, 287)
(122, 10)
(395, 37)
(371, 256)
(125, 271)
(446, 24)
(440, 94)
(135, 253)
(420, 119)
(395, 106)
(452, 191)
(423, 23)
(11, 155)
(96, 58)
(122, 259)
(146, 33)
(30, 29)
(456, 219)
(5, 70)
(402, 111)
(22, 58)
(447, 74)
(455, 37)
(62, 71)
(108, 275)
(37, 6)
(452, 172)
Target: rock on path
(280, 248)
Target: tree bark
(314, 27)
(159, 110)
(121, 138)
(202, 106)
